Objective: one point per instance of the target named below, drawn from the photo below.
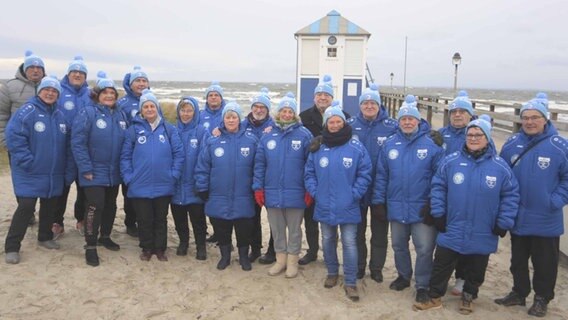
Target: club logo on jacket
(356, 137)
(219, 152)
(381, 140)
(347, 162)
(133, 113)
(296, 144)
(324, 162)
(393, 154)
(490, 181)
(543, 162)
(206, 125)
(422, 153)
(63, 128)
(458, 178)
(142, 139)
(270, 145)
(69, 105)
(101, 124)
(162, 138)
(193, 143)
(245, 151)
(122, 125)
(39, 126)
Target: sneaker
(146, 255)
(330, 281)
(57, 230)
(109, 244)
(399, 284)
(132, 231)
(512, 299)
(267, 258)
(539, 307)
(422, 295)
(432, 303)
(377, 276)
(466, 304)
(80, 227)
(351, 293)
(49, 244)
(307, 258)
(12, 257)
(458, 287)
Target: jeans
(349, 243)
(424, 239)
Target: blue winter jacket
(474, 195)
(372, 135)
(405, 168)
(72, 99)
(542, 173)
(279, 166)
(97, 137)
(211, 119)
(130, 103)
(151, 161)
(338, 178)
(257, 131)
(225, 169)
(453, 138)
(37, 137)
(191, 135)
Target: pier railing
(509, 120)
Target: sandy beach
(59, 285)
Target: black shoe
(254, 254)
(92, 257)
(225, 260)
(182, 249)
(267, 258)
(201, 253)
(132, 231)
(360, 273)
(244, 259)
(422, 296)
(399, 284)
(539, 307)
(377, 276)
(212, 239)
(307, 258)
(109, 244)
(512, 299)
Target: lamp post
(456, 60)
(392, 76)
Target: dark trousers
(312, 230)
(197, 217)
(444, 264)
(460, 267)
(544, 254)
(224, 230)
(379, 242)
(152, 217)
(129, 211)
(21, 218)
(100, 213)
(256, 237)
(61, 206)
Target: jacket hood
(195, 121)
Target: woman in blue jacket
(97, 137)
(475, 199)
(224, 181)
(337, 175)
(150, 163)
(185, 201)
(37, 137)
(279, 183)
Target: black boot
(225, 257)
(182, 249)
(201, 252)
(244, 258)
(308, 258)
(92, 257)
(254, 254)
(270, 256)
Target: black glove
(498, 231)
(440, 224)
(316, 143)
(379, 211)
(204, 195)
(437, 137)
(426, 215)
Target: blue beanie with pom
(537, 105)
(232, 106)
(262, 98)
(103, 82)
(325, 86)
(32, 60)
(136, 73)
(49, 82)
(334, 110)
(371, 94)
(214, 87)
(462, 102)
(484, 125)
(146, 96)
(289, 101)
(77, 65)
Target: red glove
(308, 199)
(259, 197)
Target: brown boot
(466, 303)
(292, 266)
(432, 303)
(352, 293)
(279, 265)
(330, 281)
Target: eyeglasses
(475, 136)
(531, 118)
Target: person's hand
(267, 129)
(440, 224)
(88, 176)
(426, 215)
(437, 137)
(216, 132)
(315, 144)
(498, 231)
(379, 211)
(259, 197)
(203, 195)
(308, 199)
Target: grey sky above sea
(504, 44)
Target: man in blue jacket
(539, 159)
(372, 126)
(211, 118)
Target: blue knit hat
(334, 110)
(543, 98)
(103, 82)
(537, 105)
(234, 107)
(486, 117)
(49, 82)
(77, 65)
(371, 94)
(32, 60)
(410, 102)
(462, 102)
(262, 98)
(146, 96)
(289, 101)
(325, 86)
(408, 111)
(137, 73)
(485, 126)
(214, 87)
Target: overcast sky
(520, 44)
